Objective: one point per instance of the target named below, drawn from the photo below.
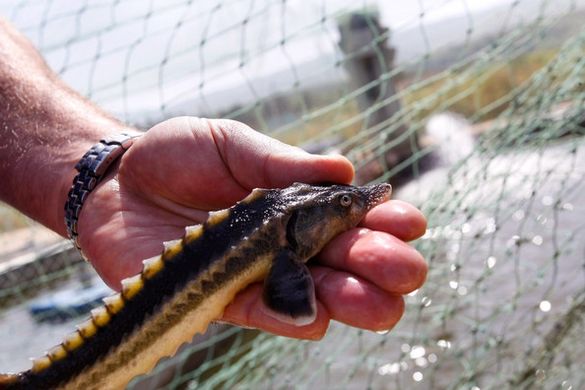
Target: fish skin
(268, 235)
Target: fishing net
(473, 110)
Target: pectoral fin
(289, 292)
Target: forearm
(45, 128)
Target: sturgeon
(269, 235)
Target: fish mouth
(375, 194)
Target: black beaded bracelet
(92, 168)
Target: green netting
(472, 109)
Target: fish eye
(345, 200)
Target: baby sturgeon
(268, 235)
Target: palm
(171, 178)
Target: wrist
(49, 171)
(92, 168)
(80, 139)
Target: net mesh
(472, 109)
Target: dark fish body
(267, 236)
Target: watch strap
(92, 168)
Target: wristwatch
(92, 167)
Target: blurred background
(472, 109)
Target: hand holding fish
(185, 167)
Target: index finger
(398, 218)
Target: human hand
(184, 167)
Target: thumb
(283, 169)
(257, 160)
